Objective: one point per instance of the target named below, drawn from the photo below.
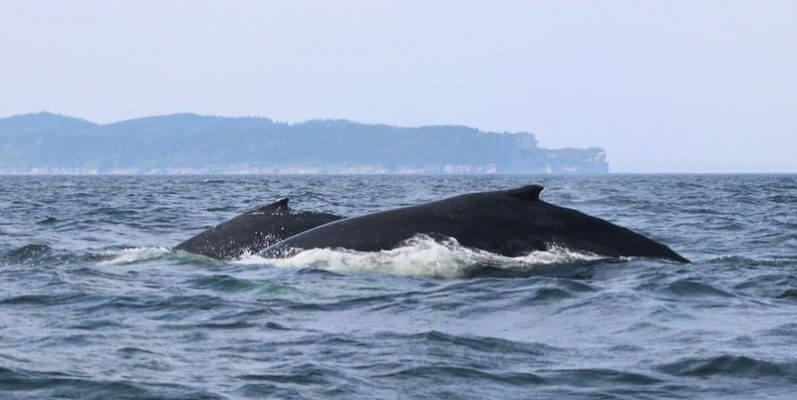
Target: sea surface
(95, 305)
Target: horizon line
(403, 174)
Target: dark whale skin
(253, 231)
(507, 222)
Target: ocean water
(94, 305)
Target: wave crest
(134, 255)
(420, 256)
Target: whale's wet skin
(512, 223)
(94, 304)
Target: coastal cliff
(47, 143)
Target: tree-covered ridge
(188, 143)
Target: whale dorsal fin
(528, 192)
(281, 203)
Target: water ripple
(95, 305)
(731, 365)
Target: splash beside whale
(507, 222)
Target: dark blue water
(94, 305)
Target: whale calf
(253, 231)
(507, 222)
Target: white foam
(419, 256)
(133, 255)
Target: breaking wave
(134, 255)
(421, 256)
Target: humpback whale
(507, 222)
(253, 231)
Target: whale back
(253, 231)
(507, 222)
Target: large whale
(507, 222)
(253, 231)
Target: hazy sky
(663, 86)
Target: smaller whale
(508, 222)
(253, 231)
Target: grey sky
(663, 86)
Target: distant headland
(46, 143)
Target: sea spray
(421, 256)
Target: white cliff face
(526, 141)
